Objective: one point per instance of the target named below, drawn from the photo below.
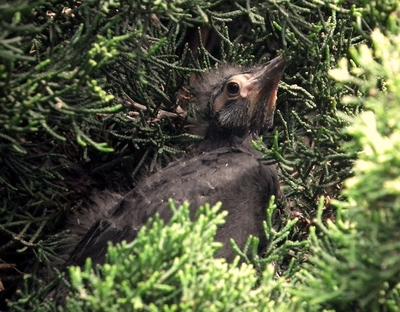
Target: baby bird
(234, 105)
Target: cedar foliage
(72, 77)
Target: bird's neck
(216, 137)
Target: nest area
(94, 95)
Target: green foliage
(309, 144)
(136, 278)
(79, 80)
(172, 268)
(281, 250)
(354, 261)
(81, 86)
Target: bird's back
(233, 175)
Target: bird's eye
(233, 88)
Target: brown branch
(161, 114)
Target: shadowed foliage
(93, 95)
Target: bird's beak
(264, 84)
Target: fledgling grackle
(236, 105)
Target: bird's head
(238, 101)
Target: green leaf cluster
(81, 85)
(354, 261)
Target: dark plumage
(236, 105)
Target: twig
(161, 114)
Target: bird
(234, 105)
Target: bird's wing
(95, 242)
(221, 175)
(234, 177)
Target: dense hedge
(84, 88)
